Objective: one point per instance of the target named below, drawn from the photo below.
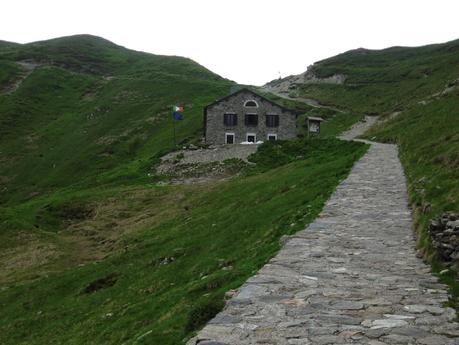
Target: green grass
(8, 72)
(380, 81)
(94, 113)
(335, 122)
(170, 279)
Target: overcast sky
(249, 41)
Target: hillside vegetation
(195, 243)
(92, 112)
(416, 93)
(381, 81)
(96, 246)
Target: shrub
(201, 313)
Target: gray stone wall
(444, 233)
(215, 128)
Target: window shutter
(272, 120)
(251, 120)
(230, 120)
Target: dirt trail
(359, 128)
(309, 101)
(27, 69)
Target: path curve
(309, 101)
(359, 128)
(27, 69)
(351, 277)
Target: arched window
(251, 104)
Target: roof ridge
(255, 93)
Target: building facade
(245, 116)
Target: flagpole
(175, 141)
(176, 115)
(173, 125)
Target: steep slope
(180, 249)
(416, 92)
(91, 111)
(378, 81)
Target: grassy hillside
(92, 112)
(195, 242)
(416, 92)
(96, 247)
(380, 81)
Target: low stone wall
(444, 233)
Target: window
(230, 120)
(251, 137)
(251, 120)
(272, 137)
(229, 138)
(251, 104)
(272, 120)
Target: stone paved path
(351, 277)
(359, 128)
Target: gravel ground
(212, 154)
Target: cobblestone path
(351, 277)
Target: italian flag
(177, 113)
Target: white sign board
(314, 127)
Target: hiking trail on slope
(351, 277)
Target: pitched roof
(315, 118)
(256, 94)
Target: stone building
(245, 116)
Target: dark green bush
(201, 313)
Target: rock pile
(444, 232)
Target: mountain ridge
(319, 68)
(84, 90)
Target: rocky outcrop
(444, 233)
(198, 165)
(309, 77)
